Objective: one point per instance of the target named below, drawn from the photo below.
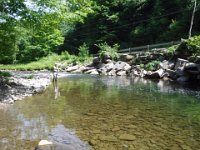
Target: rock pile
(180, 70)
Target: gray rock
(156, 74)
(180, 71)
(102, 71)
(72, 68)
(160, 72)
(19, 87)
(108, 61)
(112, 72)
(172, 74)
(180, 63)
(121, 73)
(79, 70)
(106, 68)
(87, 69)
(197, 60)
(167, 65)
(110, 138)
(119, 65)
(192, 68)
(152, 75)
(127, 137)
(92, 71)
(109, 66)
(61, 138)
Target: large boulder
(156, 74)
(197, 60)
(102, 71)
(121, 73)
(180, 63)
(138, 72)
(180, 71)
(87, 69)
(79, 70)
(171, 73)
(92, 71)
(105, 68)
(192, 68)
(120, 65)
(167, 64)
(112, 73)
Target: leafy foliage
(5, 74)
(32, 30)
(83, 52)
(105, 49)
(152, 66)
(190, 47)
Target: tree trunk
(192, 19)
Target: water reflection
(61, 135)
(33, 128)
(107, 112)
(56, 89)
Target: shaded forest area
(33, 29)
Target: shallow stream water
(109, 113)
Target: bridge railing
(148, 47)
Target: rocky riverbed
(23, 84)
(169, 67)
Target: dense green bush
(152, 66)
(189, 48)
(105, 49)
(83, 52)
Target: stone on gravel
(108, 138)
(127, 137)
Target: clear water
(109, 113)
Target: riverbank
(155, 64)
(23, 84)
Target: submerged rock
(61, 138)
(108, 138)
(127, 137)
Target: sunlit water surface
(109, 113)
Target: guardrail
(148, 47)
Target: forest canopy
(31, 29)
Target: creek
(109, 113)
